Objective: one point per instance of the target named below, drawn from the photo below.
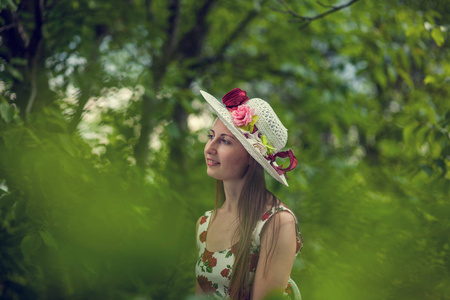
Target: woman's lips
(211, 162)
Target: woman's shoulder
(280, 220)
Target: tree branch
(170, 44)
(306, 20)
(190, 44)
(149, 10)
(325, 5)
(240, 28)
(172, 31)
(33, 49)
(6, 27)
(92, 67)
(169, 48)
(15, 35)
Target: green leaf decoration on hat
(266, 143)
(250, 126)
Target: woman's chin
(211, 174)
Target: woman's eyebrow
(224, 134)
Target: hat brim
(225, 116)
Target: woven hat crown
(269, 124)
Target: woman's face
(226, 158)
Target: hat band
(292, 161)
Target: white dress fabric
(213, 269)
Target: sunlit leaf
(406, 77)
(438, 36)
(6, 112)
(429, 79)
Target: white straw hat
(260, 131)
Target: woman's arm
(198, 289)
(272, 273)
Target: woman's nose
(210, 147)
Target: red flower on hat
(234, 98)
(203, 220)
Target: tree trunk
(142, 147)
(92, 69)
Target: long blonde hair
(253, 201)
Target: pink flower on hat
(242, 115)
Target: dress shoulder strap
(256, 238)
(202, 229)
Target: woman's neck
(232, 193)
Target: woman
(248, 243)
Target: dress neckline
(206, 237)
(229, 248)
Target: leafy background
(102, 128)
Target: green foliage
(364, 92)
(80, 227)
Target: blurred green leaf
(173, 130)
(30, 244)
(438, 36)
(15, 73)
(427, 169)
(7, 112)
(429, 79)
(406, 77)
(6, 201)
(11, 4)
(48, 239)
(19, 61)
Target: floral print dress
(213, 269)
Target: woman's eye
(210, 136)
(225, 142)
